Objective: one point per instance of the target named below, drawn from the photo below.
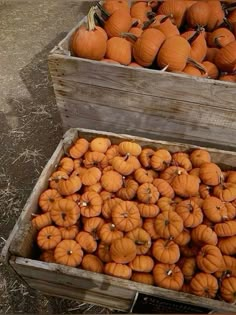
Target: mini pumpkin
(93, 226)
(145, 157)
(199, 156)
(48, 237)
(111, 152)
(111, 181)
(100, 144)
(225, 192)
(130, 148)
(148, 210)
(95, 159)
(142, 176)
(171, 172)
(203, 234)
(56, 177)
(103, 252)
(186, 185)
(95, 187)
(149, 227)
(166, 204)
(227, 245)
(65, 212)
(108, 206)
(188, 267)
(204, 284)
(126, 216)
(225, 229)
(168, 276)
(143, 277)
(183, 238)
(147, 193)
(118, 270)
(164, 188)
(190, 212)
(209, 259)
(129, 189)
(214, 209)
(205, 191)
(182, 159)
(47, 256)
(69, 233)
(92, 263)
(231, 210)
(228, 268)
(166, 251)
(79, 148)
(68, 252)
(210, 174)
(123, 250)
(142, 263)
(194, 171)
(86, 241)
(122, 165)
(69, 186)
(168, 224)
(66, 164)
(160, 159)
(42, 220)
(108, 233)
(141, 239)
(90, 204)
(91, 176)
(228, 289)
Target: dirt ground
(30, 126)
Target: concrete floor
(30, 126)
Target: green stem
(105, 14)
(196, 64)
(216, 41)
(129, 35)
(192, 38)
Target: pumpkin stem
(129, 35)
(112, 226)
(105, 14)
(98, 20)
(69, 252)
(228, 7)
(169, 272)
(83, 203)
(194, 36)
(135, 23)
(90, 17)
(216, 41)
(228, 24)
(151, 15)
(196, 64)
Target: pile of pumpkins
(144, 214)
(192, 37)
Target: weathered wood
(32, 270)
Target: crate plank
(99, 283)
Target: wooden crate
(116, 98)
(58, 280)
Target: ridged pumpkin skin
(166, 251)
(123, 250)
(174, 53)
(203, 234)
(220, 38)
(118, 270)
(68, 252)
(175, 8)
(228, 289)
(209, 259)
(225, 58)
(203, 284)
(143, 277)
(119, 49)
(168, 276)
(147, 46)
(115, 25)
(198, 14)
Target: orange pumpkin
(92, 263)
(111, 152)
(168, 224)
(198, 14)
(171, 172)
(79, 148)
(182, 159)
(143, 277)
(205, 191)
(69, 186)
(91, 176)
(145, 157)
(214, 209)
(42, 220)
(231, 210)
(168, 276)
(108, 233)
(69, 253)
(141, 239)
(176, 10)
(65, 212)
(228, 268)
(148, 210)
(69, 233)
(166, 204)
(56, 177)
(48, 237)
(142, 263)
(183, 238)
(47, 256)
(225, 191)
(123, 250)
(209, 259)
(204, 284)
(199, 156)
(142, 176)
(225, 229)
(129, 189)
(203, 234)
(188, 267)
(149, 227)
(190, 212)
(95, 187)
(228, 289)
(90, 204)
(100, 144)
(86, 241)
(110, 6)
(210, 174)
(164, 188)
(95, 159)
(93, 226)
(118, 270)
(147, 193)
(111, 181)
(126, 216)
(66, 164)
(120, 50)
(166, 251)
(108, 206)
(103, 252)
(129, 148)
(186, 185)
(139, 10)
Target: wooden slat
(103, 284)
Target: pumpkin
(86, 241)
(95, 188)
(125, 216)
(90, 204)
(204, 284)
(48, 237)
(56, 177)
(111, 181)
(139, 10)
(147, 193)
(189, 250)
(188, 267)
(198, 14)
(122, 165)
(100, 144)
(220, 37)
(231, 210)
(69, 232)
(160, 159)
(69, 186)
(164, 188)
(186, 286)
(65, 212)
(225, 229)
(192, 70)
(89, 41)
(168, 224)
(171, 172)
(203, 234)
(142, 176)
(228, 289)
(198, 44)
(108, 206)
(166, 251)
(142, 263)
(211, 53)
(182, 159)
(79, 148)
(97, 159)
(149, 227)
(119, 49)
(176, 9)
(214, 209)
(205, 191)
(225, 192)
(122, 250)
(103, 252)
(92, 263)
(190, 212)
(216, 16)
(110, 6)
(66, 164)
(228, 267)
(227, 245)
(209, 258)
(136, 164)
(198, 200)
(118, 270)
(148, 210)
(225, 58)
(168, 276)
(183, 238)
(199, 156)
(194, 171)
(68, 252)
(143, 277)
(93, 226)
(77, 163)
(75, 197)
(145, 157)
(231, 177)
(174, 59)
(108, 233)
(47, 256)
(228, 77)
(163, 23)
(166, 204)
(129, 148)
(141, 239)
(129, 189)
(111, 152)
(42, 220)
(186, 185)
(91, 176)
(147, 46)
